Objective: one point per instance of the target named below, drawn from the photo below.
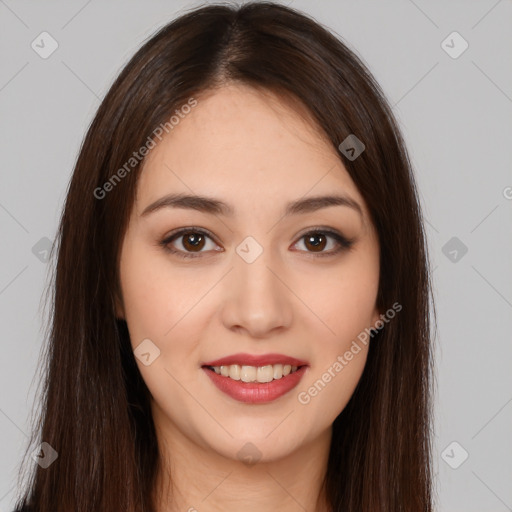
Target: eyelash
(344, 243)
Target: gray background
(455, 115)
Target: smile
(251, 384)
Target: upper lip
(256, 360)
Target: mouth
(255, 384)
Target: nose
(256, 298)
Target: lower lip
(256, 392)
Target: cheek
(156, 294)
(157, 301)
(333, 380)
(344, 301)
(144, 301)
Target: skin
(253, 151)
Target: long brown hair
(95, 406)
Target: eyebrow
(216, 207)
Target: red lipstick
(256, 392)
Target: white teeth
(278, 371)
(234, 372)
(261, 374)
(265, 373)
(248, 373)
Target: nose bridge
(255, 277)
(256, 298)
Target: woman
(241, 311)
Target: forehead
(247, 146)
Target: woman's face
(257, 281)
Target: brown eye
(316, 241)
(188, 243)
(193, 241)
